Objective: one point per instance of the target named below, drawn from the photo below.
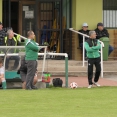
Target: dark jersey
(92, 42)
(81, 36)
(103, 33)
(2, 36)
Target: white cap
(84, 24)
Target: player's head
(100, 26)
(1, 26)
(10, 33)
(92, 34)
(30, 34)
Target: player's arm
(97, 47)
(88, 48)
(32, 46)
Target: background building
(92, 12)
(51, 20)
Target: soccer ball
(73, 85)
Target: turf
(59, 102)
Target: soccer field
(59, 102)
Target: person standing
(2, 35)
(32, 50)
(92, 47)
(23, 71)
(102, 32)
(84, 30)
(10, 40)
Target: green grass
(59, 102)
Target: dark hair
(100, 24)
(29, 33)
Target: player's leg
(35, 80)
(23, 78)
(98, 70)
(4, 85)
(90, 71)
(31, 70)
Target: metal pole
(43, 67)
(20, 36)
(83, 50)
(36, 21)
(61, 31)
(78, 32)
(66, 71)
(70, 38)
(9, 13)
(101, 61)
(102, 45)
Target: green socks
(4, 86)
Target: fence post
(66, 71)
(83, 50)
(101, 60)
